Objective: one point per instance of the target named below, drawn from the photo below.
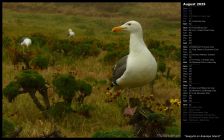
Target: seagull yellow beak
(117, 29)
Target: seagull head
(130, 26)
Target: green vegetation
(153, 119)
(40, 61)
(89, 58)
(11, 91)
(65, 86)
(7, 128)
(68, 87)
(38, 39)
(7, 41)
(30, 79)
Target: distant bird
(71, 33)
(26, 42)
(139, 67)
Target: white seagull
(70, 32)
(139, 67)
(26, 42)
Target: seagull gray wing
(119, 69)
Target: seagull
(139, 67)
(26, 42)
(70, 32)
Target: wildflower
(173, 101)
(165, 109)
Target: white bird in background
(71, 33)
(26, 42)
(139, 67)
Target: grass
(160, 21)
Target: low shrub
(84, 49)
(38, 39)
(7, 41)
(77, 48)
(85, 90)
(11, 91)
(7, 128)
(162, 51)
(148, 123)
(30, 80)
(65, 86)
(63, 46)
(40, 61)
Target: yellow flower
(165, 109)
(178, 103)
(174, 101)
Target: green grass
(160, 22)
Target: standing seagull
(26, 42)
(70, 32)
(139, 67)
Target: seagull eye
(129, 24)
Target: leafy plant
(85, 48)
(39, 39)
(11, 91)
(148, 123)
(65, 85)
(28, 81)
(68, 87)
(64, 46)
(85, 90)
(40, 61)
(7, 41)
(152, 119)
(162, 51)
(7, 128)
